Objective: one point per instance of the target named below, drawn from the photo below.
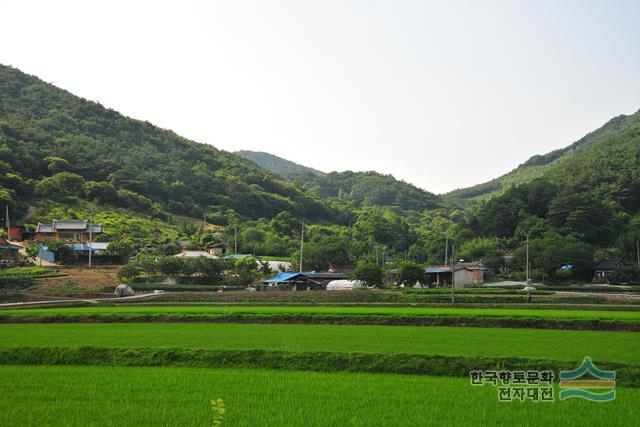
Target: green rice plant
(218, 411)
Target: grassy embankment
(443, 316)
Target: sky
(442, 94)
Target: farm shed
(310, 280)
(467, 274)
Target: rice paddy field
(114, 396)
(161, 365)
(452, 341)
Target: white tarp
(124, 291)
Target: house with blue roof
(308, 279)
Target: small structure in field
(124, 291)
(344, 285)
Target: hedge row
(337, 319)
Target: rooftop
(56, 225)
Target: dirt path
(78, 300)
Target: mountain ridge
(91, 143)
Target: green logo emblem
(599, 388)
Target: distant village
(83, 239)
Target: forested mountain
(287, 169)
(55, 145)
(372, 189)
(584, 206)
(362, 188)
(533, 168)
(59, 152)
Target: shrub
(409, 273)
(625, 275)
(368, 272)
(63, 253)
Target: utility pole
(527, 268)
(8, 224)
(301, 245)
(90, 233)
(446, 247)
(453, 274)
(235, 239)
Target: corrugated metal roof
(96, 246)
(285, 276)
(82, 226)
(194, 254)
(44, 228)
(238, 256)
(429, 270)
(69, 225)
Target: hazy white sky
(443, 94)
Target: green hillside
(584, 207)
(361, 188)
(54, 145)
(285, 168)
(372, 189)
(533, 168)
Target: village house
(75, 231)
(217, 249)
(305, 280)
(467, 274)
(604, 270)
(8, 252)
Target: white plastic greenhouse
(344, 285)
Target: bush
(369, 272)
(409, 273)
(63, 253)
(563, 275)
(625, 275)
